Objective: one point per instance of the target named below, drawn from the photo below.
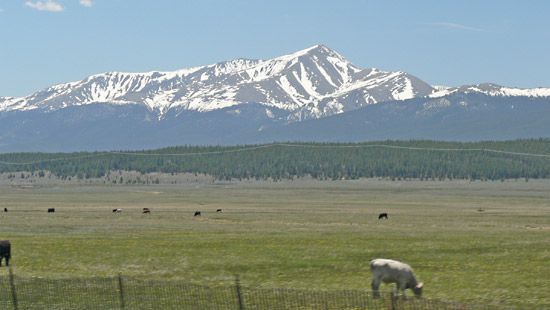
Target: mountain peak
(311, 83)
(318, 50)
(314, 82)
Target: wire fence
(133, 293)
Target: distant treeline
(491, 160)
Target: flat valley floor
(476, 242)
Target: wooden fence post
(121, 291)
(393, 298)
(239, 293)
(13, 291)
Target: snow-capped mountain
(491, 90)
(255, 101)
(311, 83)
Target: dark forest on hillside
(493, 160)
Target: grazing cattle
(5, 251)
(51, 210)
(219, 211)
(383, 216)
(392, 271)
(146, 210)
(197, 213)
(5, 209)
(118, 210)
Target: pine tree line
(435, 160)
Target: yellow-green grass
(479, 242)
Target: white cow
(392, 271)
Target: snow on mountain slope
(312, 83)
(492, 90)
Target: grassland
(480, 242)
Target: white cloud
(48, 5)
(86, 3)
(456, 26)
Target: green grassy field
(302, 234)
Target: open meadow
(475, 242)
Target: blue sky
(442, 42)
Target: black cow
(146, 210)
(51, 210)
(5, 209)
(5, 251)
(197, 213)
(383, 216)
(219, 211)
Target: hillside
(388, 159)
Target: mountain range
(311, 95)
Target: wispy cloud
(455, 26)
(48, 5)
(86, 3)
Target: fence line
(133, 293)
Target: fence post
(239, 295)
(121, 291)
(13, 291)
(393, 299)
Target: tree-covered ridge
(391, 159)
